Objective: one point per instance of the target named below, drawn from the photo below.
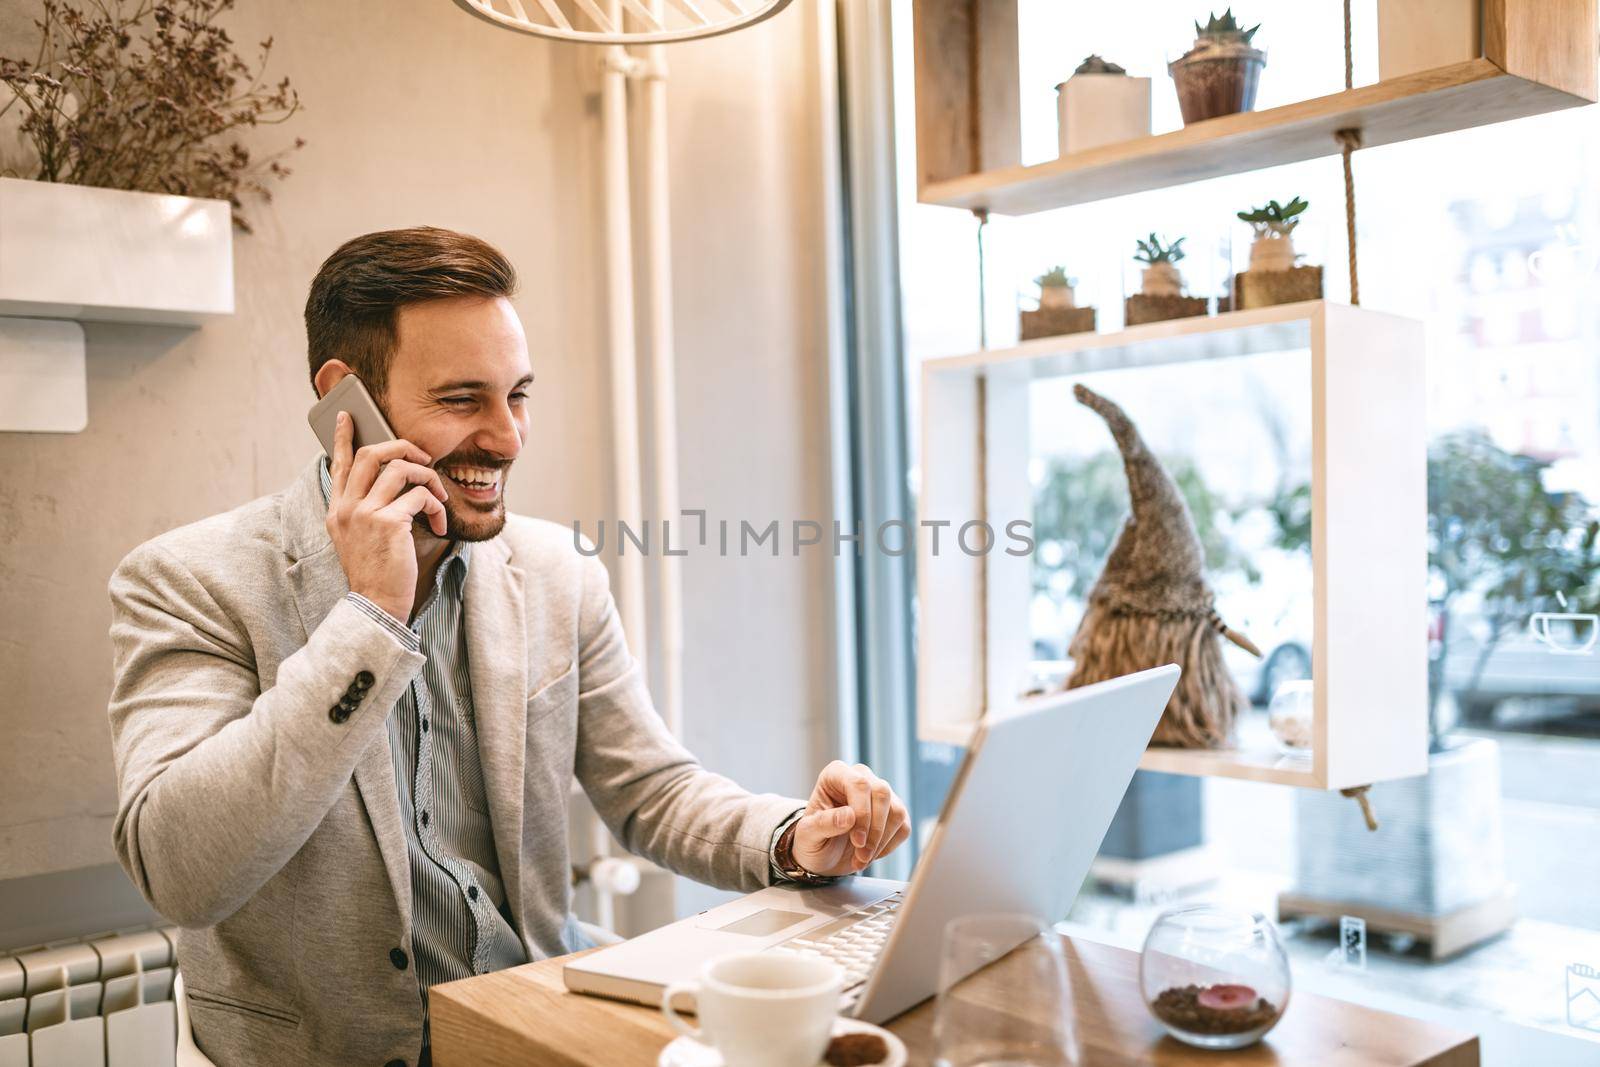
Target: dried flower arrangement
(141, 95)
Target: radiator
(99, 1001)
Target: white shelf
(1369, 553)
(1256, 758)
(108, 255)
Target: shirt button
(397, 956)
(472, 892)
(424, 818)
(424, 725)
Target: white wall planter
(107, 255)
(72, 254)
(1099, 109)
(1368, 538)
(1415, 35)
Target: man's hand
(852, 818)
(370, 512)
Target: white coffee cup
(762, 1009)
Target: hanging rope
(982, 214)
(1350, 140)
(1349, 65)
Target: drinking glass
(1004, 998)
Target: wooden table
(526, 1016)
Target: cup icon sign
(1583, 997)
(1566, 633)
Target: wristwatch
(783, 861)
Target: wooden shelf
(1458, 97)
(1538, 56)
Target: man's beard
(475, 525)
(466, 520)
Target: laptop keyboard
(854, 941)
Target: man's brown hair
(350, 312)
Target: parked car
(1514, 677)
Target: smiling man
(346, 715)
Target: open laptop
(1020, 826)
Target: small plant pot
(1212, 84)
(1418, 35)
(1272, 253)
(1160, 279)
(1054, 321)
(1057, 297)
(1098, 109)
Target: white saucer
(687, 1052)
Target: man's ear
(329, 375)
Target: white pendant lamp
(587, 22)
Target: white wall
(431, 116)
(748, 118)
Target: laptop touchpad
(765, 922)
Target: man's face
(458, 390)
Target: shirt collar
(456, 557)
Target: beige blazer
(271, 832)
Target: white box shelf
(108, 255)
(1368, 537)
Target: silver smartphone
(352, 396)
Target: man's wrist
(784, 866)
(400, 632)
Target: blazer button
(395, 1063)
(364, 680)
(397, 956)
(338, 713)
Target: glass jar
(1213, 976)
(1292, 716)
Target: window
(1492, 238)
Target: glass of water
(1004, 997)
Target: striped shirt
(459, 916)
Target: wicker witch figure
(1151, 604)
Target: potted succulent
(1219, 75)
(1056, 290)
(1058, 311)
(1275, 275)
(1160, 294)
(1101, 104)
